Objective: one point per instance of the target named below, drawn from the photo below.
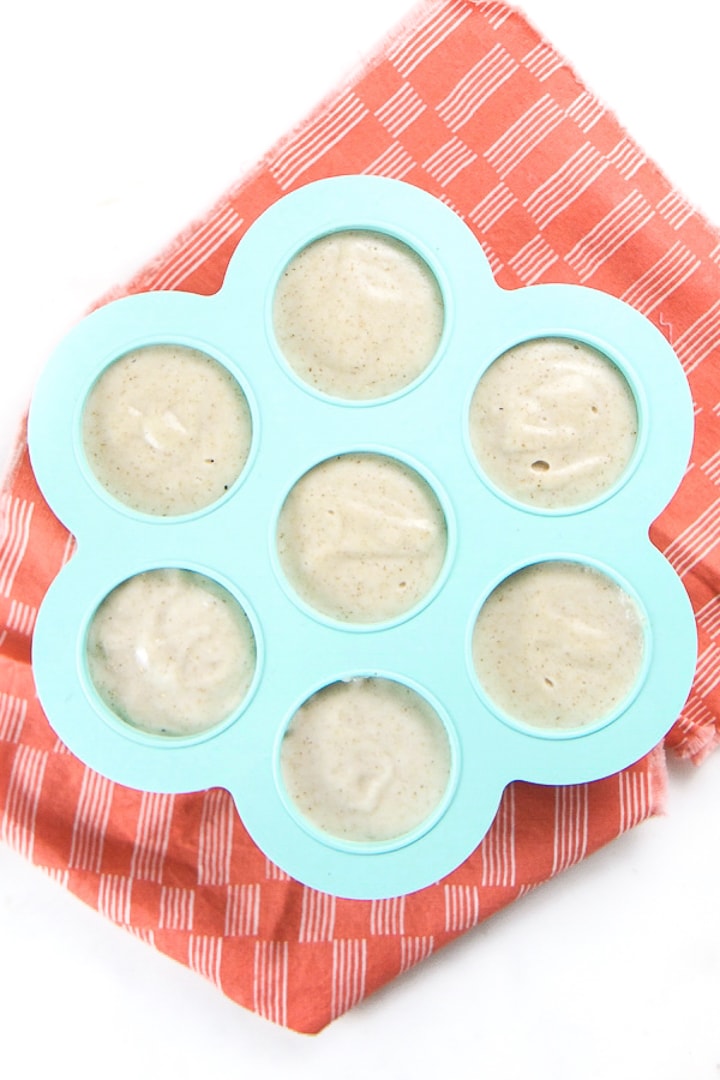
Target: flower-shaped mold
(411, 708)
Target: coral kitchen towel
(467, 102)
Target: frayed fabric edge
(12, 466)
(658, 781)
(697, 745)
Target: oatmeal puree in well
(358, 315)
(170, 651)
(361, 538)
(553, 423)
(558, 645)
(367, 759)
(166, 430)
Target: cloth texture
(467, 101)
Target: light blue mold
(489, 536)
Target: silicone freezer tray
(489, 536)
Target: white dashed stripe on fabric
(475, 87)
(388, 916)
(395, 163)
(17, 827)
(152, 836)
(571, 826)
(601, 242)
(627, 158)
(114, 898)
(696, 720)
(543, 61)
(667, 274)
(533, 260)
(321, 136)
(415, 949)
(634, 798)
(695, 541)
(498, 846)
(242, 910)
(496, 264)
(270, 980)
(21, 618)
(449, 160)
(427, 35)
(707, 671)
(205, 956)
(491, 208)
(317, 916)
(92, 812)
(195, 252)
(708, 617)
(13, 711)
(15, 519)
(522, 137)
(462, 907)
(400, 110)
(675, 209)
(711, 467)
(585, 111)
(215, 840)
(142, 933)
(494, 11)
(177, 908)
(699, 340)
(349, 974)
(566, 185)
(274, 873)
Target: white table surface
(121, 123)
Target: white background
(120, 123)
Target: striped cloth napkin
(466, 101)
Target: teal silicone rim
(180, 341)
(423, 425)
(592, 726)
(370, 223)
(371, 847)
(595, 341)
(359, 627)
(126, 729)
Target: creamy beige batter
(553, 423)
(558, 645)
(171, 652)
(366, 760)
(362, 538)
(358, 314)
(166, 430)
